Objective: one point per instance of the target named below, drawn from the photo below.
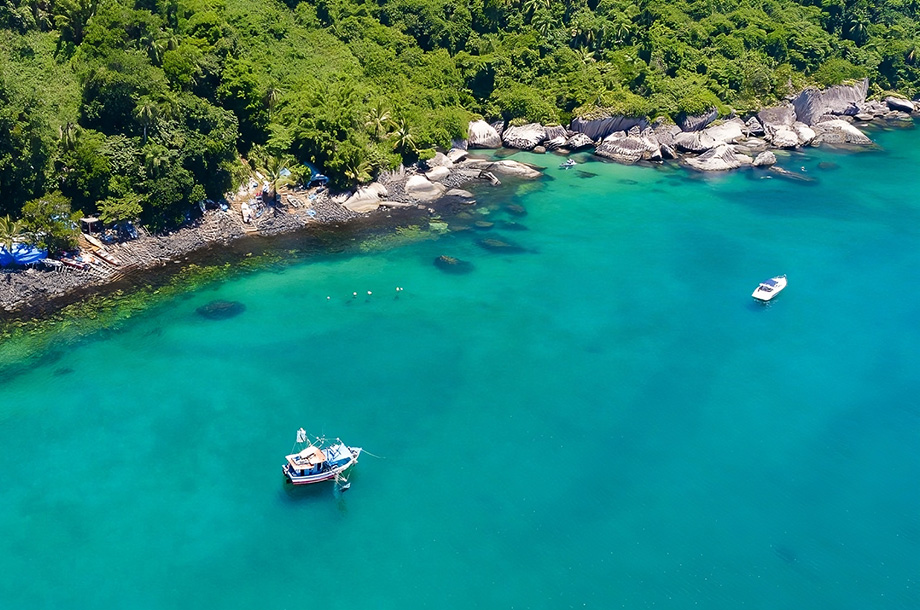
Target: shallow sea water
(605, 419)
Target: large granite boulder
(872, 109)
(628, 149)
(507, 167)
(698, 122)
(600, 127)
(778, 116)
(839, 131)
(694, 141)
(719, 159)
(499, 127)
(556, 131)
(439, 160)
(366, 198)
(578, 141)
(438, 174)
(804, 133)
(782, 136)
(423, 189)
(811, 103)
(751, 146)
(666, 134)
(524, 137)
(726, 132)
(753, 127)
(765, 159)
(483, 135)
(899, 103)
(555, 143)
(457, 154)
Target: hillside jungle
(138, 109)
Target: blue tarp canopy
(21, 255)
(318, 179)
(771, 283)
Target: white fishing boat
(569, 163)
(770, 288)
(314, 461)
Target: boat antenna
(301, 438)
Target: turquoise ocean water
(603, 420)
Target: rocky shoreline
(813, 117)
(832, 116)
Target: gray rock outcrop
(765, 159)
(726, 132)
(719, 159)
(778, 116)
(438, 174)
(694, 141)
(839, 131)
(555, 143)
(577, 141)
(483, 135)
(899, 103)
(505, 166)
(457, 154)
(782, 136)
(753, 126)
(698, 122)
(811, 103)
(666, 134)
(423, 189)
(600, 128)
(439, 160)
(499, 127)
(524, 137)
(366, 198)
(804, 133)
(628, 149)
(555, 131)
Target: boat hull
(308, 478)
(767, 295)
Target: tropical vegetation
(138, 109)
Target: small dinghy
(770, 288)
(315, 462)
(569, 164)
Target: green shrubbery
(139, 108)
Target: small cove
(600, 417)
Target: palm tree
(585, 56)
(272, 97)
(531, 7)
(405, 140)
(359, 171)
(146, 112)
(277, 170)
(155, 158)
(68, 133)
(71, 17)
(10, 230)
(378, 120)
(543, 22)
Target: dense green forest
(140, 108)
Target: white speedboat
(569, 163)
(315, 462)
(770, 288)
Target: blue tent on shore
(22, 254)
